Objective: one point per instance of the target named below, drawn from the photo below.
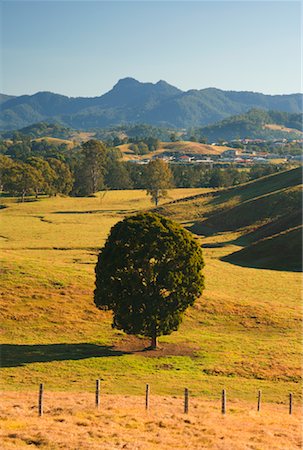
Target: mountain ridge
(131, 101)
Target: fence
(147, 398)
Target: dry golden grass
(194, 147)
(178, 147)
(82, 136)
(72, 422)
(276, 127)
(56, 141)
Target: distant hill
(53, 132)
(42, 129)
(131, 102)
(256, 124)
(181, 147)
(266, 213)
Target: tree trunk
(157, 198)
(154, 343)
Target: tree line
(42, 167)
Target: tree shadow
(19, 355)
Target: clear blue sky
(82, 48)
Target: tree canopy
(159, 179)
(148, 273)
(91, 170)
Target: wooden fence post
(223, 406)
(290, 403)
(147, 397)
(259, 400)
(41, 389)
(97, 393)
(186, 401)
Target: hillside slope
(266, 214)
(256, 124)
(282, 251)
(179, 147)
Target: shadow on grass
(97, 211)
(19, 355)
(264, 263)
(200, 229)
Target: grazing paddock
(72, 422)
(243, 335)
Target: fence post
(41, 389)
(147, 397)
(186, 401)
(97, 393)
(223, 406)
(259, 400)
(290, 403)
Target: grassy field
(243, 334)
(71, 422)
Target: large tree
(148, 273)
(5, 164)
(22, 179)
(48, 175)
(159, 179)
(90, 173)
(63, 182)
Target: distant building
(185, 158)
(232, 153)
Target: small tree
(159, 179)
(148, 273)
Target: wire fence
(186, 399)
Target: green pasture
(243, 334)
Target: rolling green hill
(266, 214)
(41, 129)
(256, 124)
(282, 251)
(242, 335)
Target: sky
(82, 48)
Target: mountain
(4, 98)
(265, 214)
(131, 101)
(256, 124)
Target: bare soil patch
(140, 347)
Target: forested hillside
(133, 102)
(255, 124)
